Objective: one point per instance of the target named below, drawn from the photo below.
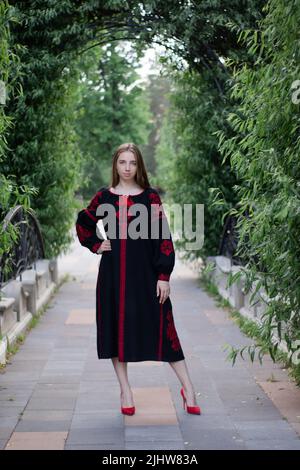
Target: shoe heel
(195, 410)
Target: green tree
(264, 153)
(44, 149)
(188, 158)
(10, 193)
(158, 88)
(113, 109)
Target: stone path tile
(37, 441)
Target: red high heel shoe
(129, 410)
(195, 410)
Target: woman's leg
(121, 371)
(182, 373)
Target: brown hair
(141, 176)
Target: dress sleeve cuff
(96, 247)
(163, 277)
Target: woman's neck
(127, 187)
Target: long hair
(141, 176)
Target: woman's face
(127, 165)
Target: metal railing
(27, 250)
(229, 241)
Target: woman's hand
(105, 246)
(162, 289)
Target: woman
(133, 308)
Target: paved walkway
(56, 394)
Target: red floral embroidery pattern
(96, 247)
(157, 210)
(154, 198)
(166, 247)
(86, 230)
(119, 213)
(171, 332)
(94, 202)
(83, 233)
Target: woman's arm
(86, 225)
(163, 248)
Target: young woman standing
(133, 308)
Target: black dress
(131, 323)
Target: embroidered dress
(131, 323)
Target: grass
(252, 330)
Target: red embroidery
(157, 210)
(160, 332)
(122, 309)
(90, 215)
(94, 202)
(83, 233)
(125, 202)
(96, 247)
(154, 198)
(163, 277)
(166, 247)
(171, 332)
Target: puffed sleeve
(163, 248)
(86, 224)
